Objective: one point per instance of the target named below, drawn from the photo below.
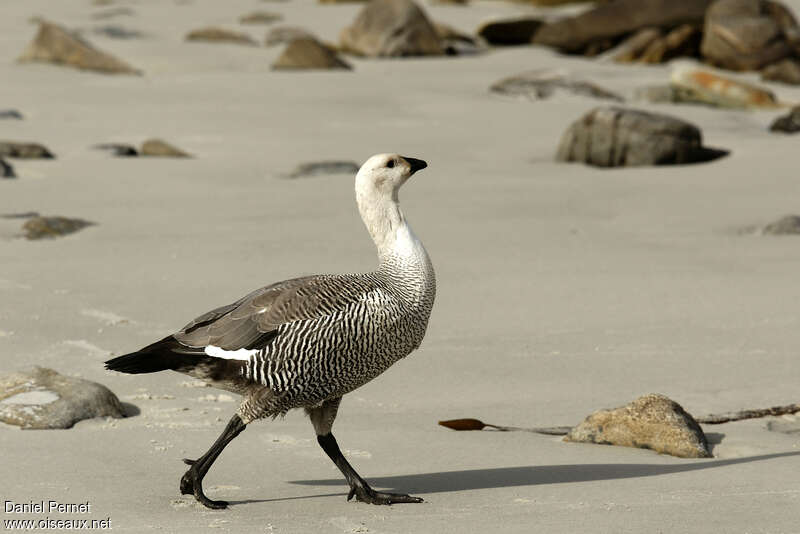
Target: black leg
(358, 486)
(192, 481)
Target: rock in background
(618, 137)
(54, 44)
(220, 35)
(308, 53)
(16, 149)
(540, 84)
(159, 148)
(788, 123)
(391, 28)
(650, 422)
(41, 227)
(510, 32)
(42, 398)
(788, 225)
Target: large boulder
(308, 53)
(54, 44)
(42, 398)
(748, 34)
(617, 137)
(613, 20)
(391, 28)
(650, 422)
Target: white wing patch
(241, 354)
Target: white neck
(388, 227)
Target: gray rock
(617, 137)
(305, 54)
(117, 32)
(610, 21)
(391, 28)
(42, 398)
(10, 114)
(118, 149)
(784, 71)
(510, 32)
(747, 34)
(286, 34)
(785, 426)
(220, 35)
(317, 168)
(6, 170)
(650, 422)
(50, 227)
(260, 17)
(788, 123)
(541, 84)
(159, 148)
(54, 44)
(113, 12)
(15, 149)
(788, 225)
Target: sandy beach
(562, 288)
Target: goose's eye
(390, 164)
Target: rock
(788, 225)
(117, 32)
(540, 84)
(157, 147)
(785, 426)
(456, 42)
(391, 28)
(10, 114)
(617, 137)
(118, 149)
(650, 422)
(616, 19)
(286, 34)
(54, 44)
(42, 398)
(747, 34)
(14, 149)
(509, 32)
(308, 54)
(657, 94)
(6, 170)
(788, 123)
(220, 35)
(260, 17)
(713, 89)
(784, 71)
(632, 48)
(681, 41)
(317, 168)
(49, 227)
(114, 12)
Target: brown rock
(456, 42)
(509, 32)
(631, 49)
(54, 44)
(788, 123)
(220, 35)
(784, 71)
(41, 227)
(286, 34)
(42, 399)
(308, 53)
(616, 19)
(618, 137)
(260, 17)
(159, 148)
(655, 52)
(789, 225)
(391, 28)
(713, 89)
(14, 149)
(650, 422)
(747, 34)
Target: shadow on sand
(502, 477)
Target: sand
(562, 288)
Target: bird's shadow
(502, 477)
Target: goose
(306, 342)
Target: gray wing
(253, 321)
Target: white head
(377, 184)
